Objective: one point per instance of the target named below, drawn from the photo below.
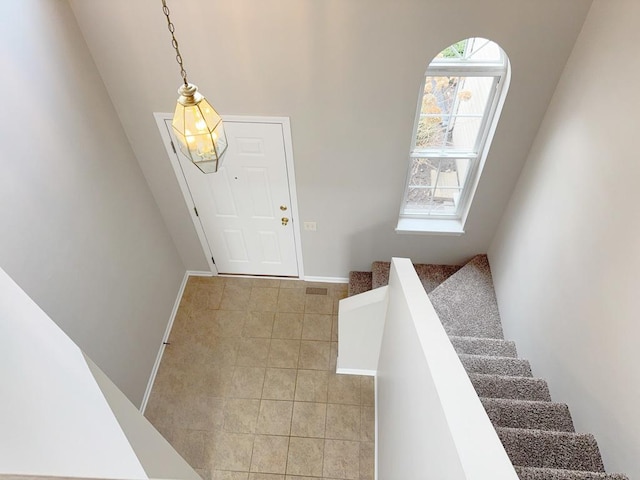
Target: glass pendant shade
(199, 130)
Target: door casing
(161, 119)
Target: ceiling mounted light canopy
(196, 124)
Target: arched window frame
(416, 219)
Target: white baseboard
(327, 279)
(165, 338)
(356, 371)
(198, 273)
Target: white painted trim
(285, 122)
(165, 338)
(161, 122)
(375, 428)
(198, 273)
(327, 279)
(356, 371)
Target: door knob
(283, 207)
(285, 220)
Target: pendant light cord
(174, 42)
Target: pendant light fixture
(196, 124)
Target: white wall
(430, 422)
(80, 230)
(565, 261)
(348, 75)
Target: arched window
(458, 108)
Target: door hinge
(173, 147)
(214, 262)
(195, 210)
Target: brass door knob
(283, 207)
(285, 220)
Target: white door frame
(188, 198)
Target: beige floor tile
(291, 300)
(333, 357)
(367, 424)
(309, 419)
(279, 384)
(367, 460)
(284, 353)
(231, 375)
(224, 350)
(238, 282)
(341, 459)
(316, 327)
(197, 412)
(318, 304)
(287, 325)
(232, 451)
(311, 386)
(314, 355)
(190, 444)
(344, 389)
(265, 476)
(291, 283)
(305, 456)
(235, 297)
(263, 299)
(343, 422)
(241, 415)
(247, 382)
(226, 475)
(269, 454)
(253, 352)
(259, 324)
(367, 390)
(266, 282)
(229, 323)
(334, 328)
(274, 417)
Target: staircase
(537, 433)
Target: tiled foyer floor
(247, 391)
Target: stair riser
(536, 415)
(534, 448)
(515, 388)
(490, 347)
(496, 366)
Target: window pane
(452, 111)
(474, 49)
(435, 185)
(423, 171)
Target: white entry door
(245, 208)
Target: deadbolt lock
(285, 220)
(283, 207)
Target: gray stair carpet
(537, 434)
(430, 275)
(359, 282)
(538, 415)
(483, 346)
(495, 365)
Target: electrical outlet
(310, 226)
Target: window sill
(429, 226)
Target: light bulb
(201, 125)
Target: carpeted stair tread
(495, 365)
(483, 346)
(510, 413)
(530, 473)
(466, 301)
(516, 388)
(430, 275)
(359, 282)
(545, 449)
